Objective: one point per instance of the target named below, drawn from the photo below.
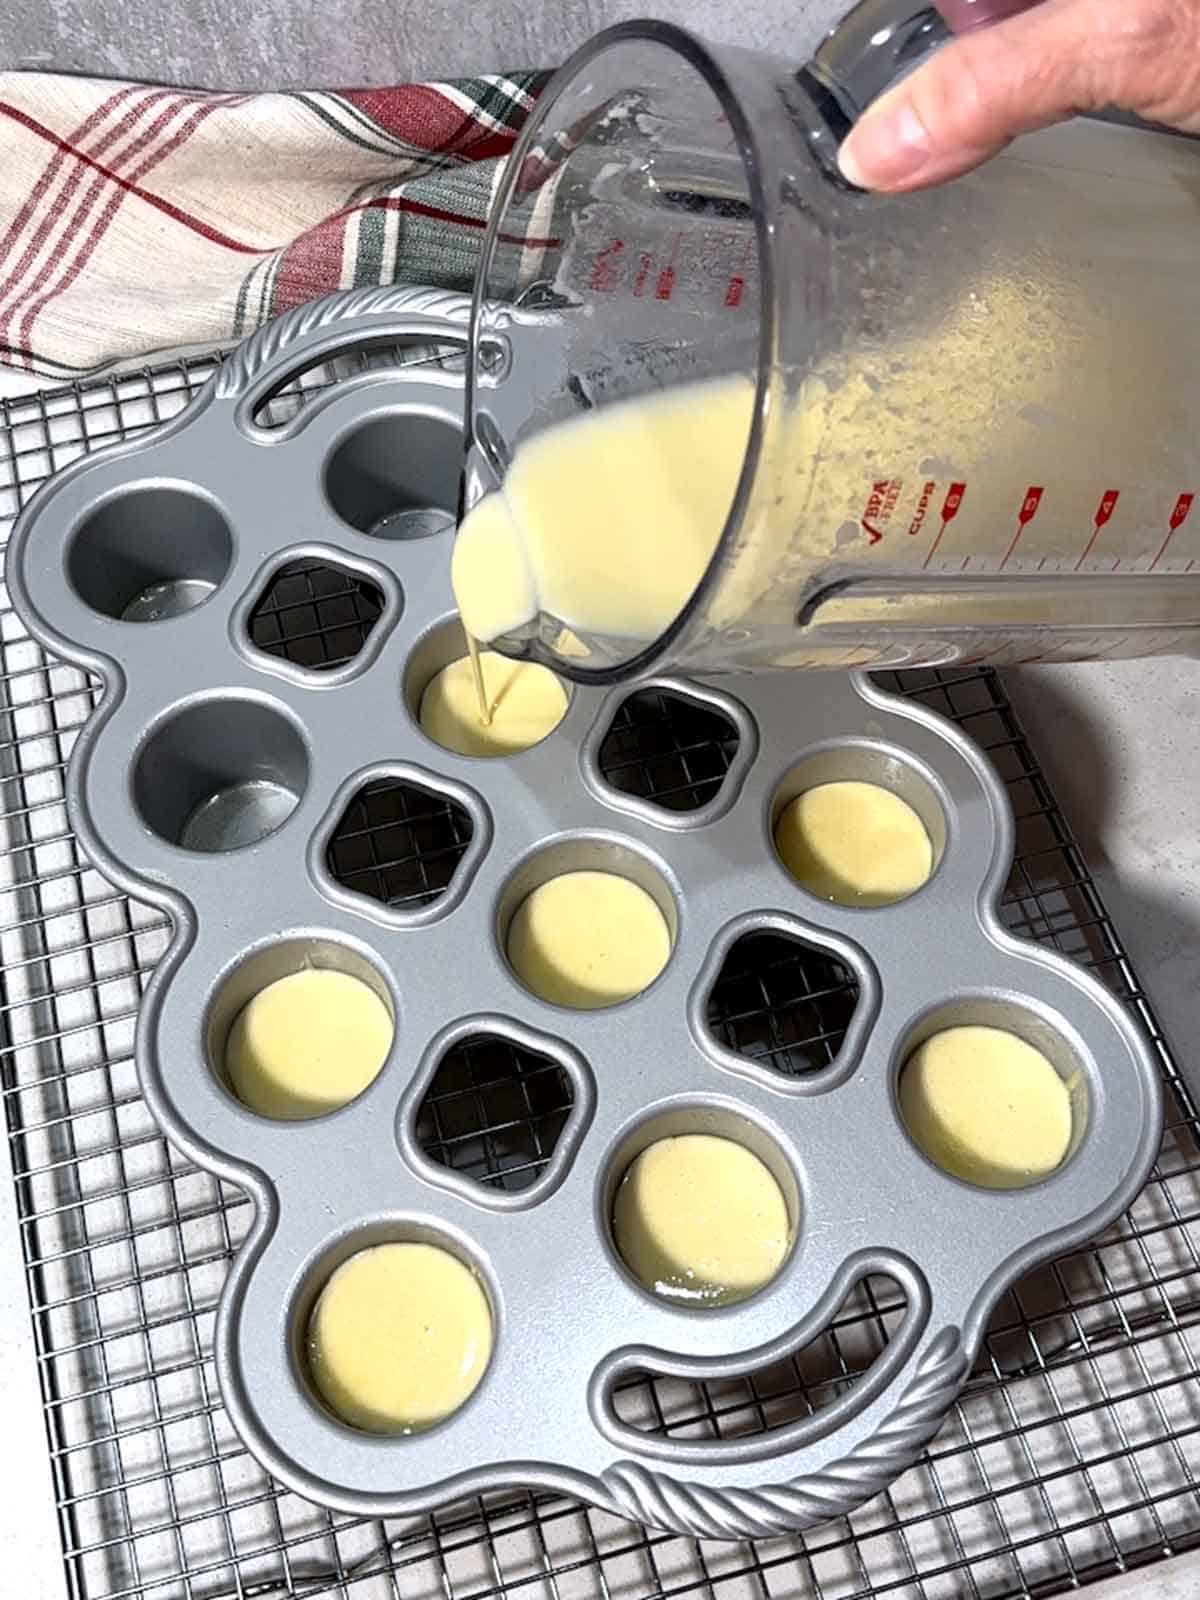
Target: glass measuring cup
(968, 429)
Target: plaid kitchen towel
(135, 218)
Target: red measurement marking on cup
(1182, 511)
(736, 287)
(665, 287)
(1029, 510)
(950, 509)
(605, 265)
(881, 502)
(1103, 515)
(922, 511)
(645, 267)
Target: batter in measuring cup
(607, 522)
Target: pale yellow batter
(526, 703)
(607, 522)
(307, 1043)
(399, 1337)
(701, 1220)
(987, 1107)
(588, 939)
(855, 843)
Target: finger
(982, 90)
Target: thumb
(983, 89)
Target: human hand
(1065, 56)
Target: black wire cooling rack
(1072, 1454)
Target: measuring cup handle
(879, 42)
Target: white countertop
(1120, 746)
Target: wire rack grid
(1073, 1452)
(315, 615)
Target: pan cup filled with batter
(587, 924)
(702, 1208)
(857, 826)
(399, 1337)
(522, 703)
(989, 1106)
(300, 1029)
(855, 844)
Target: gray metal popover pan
(205, 739)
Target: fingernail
(888, 147)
